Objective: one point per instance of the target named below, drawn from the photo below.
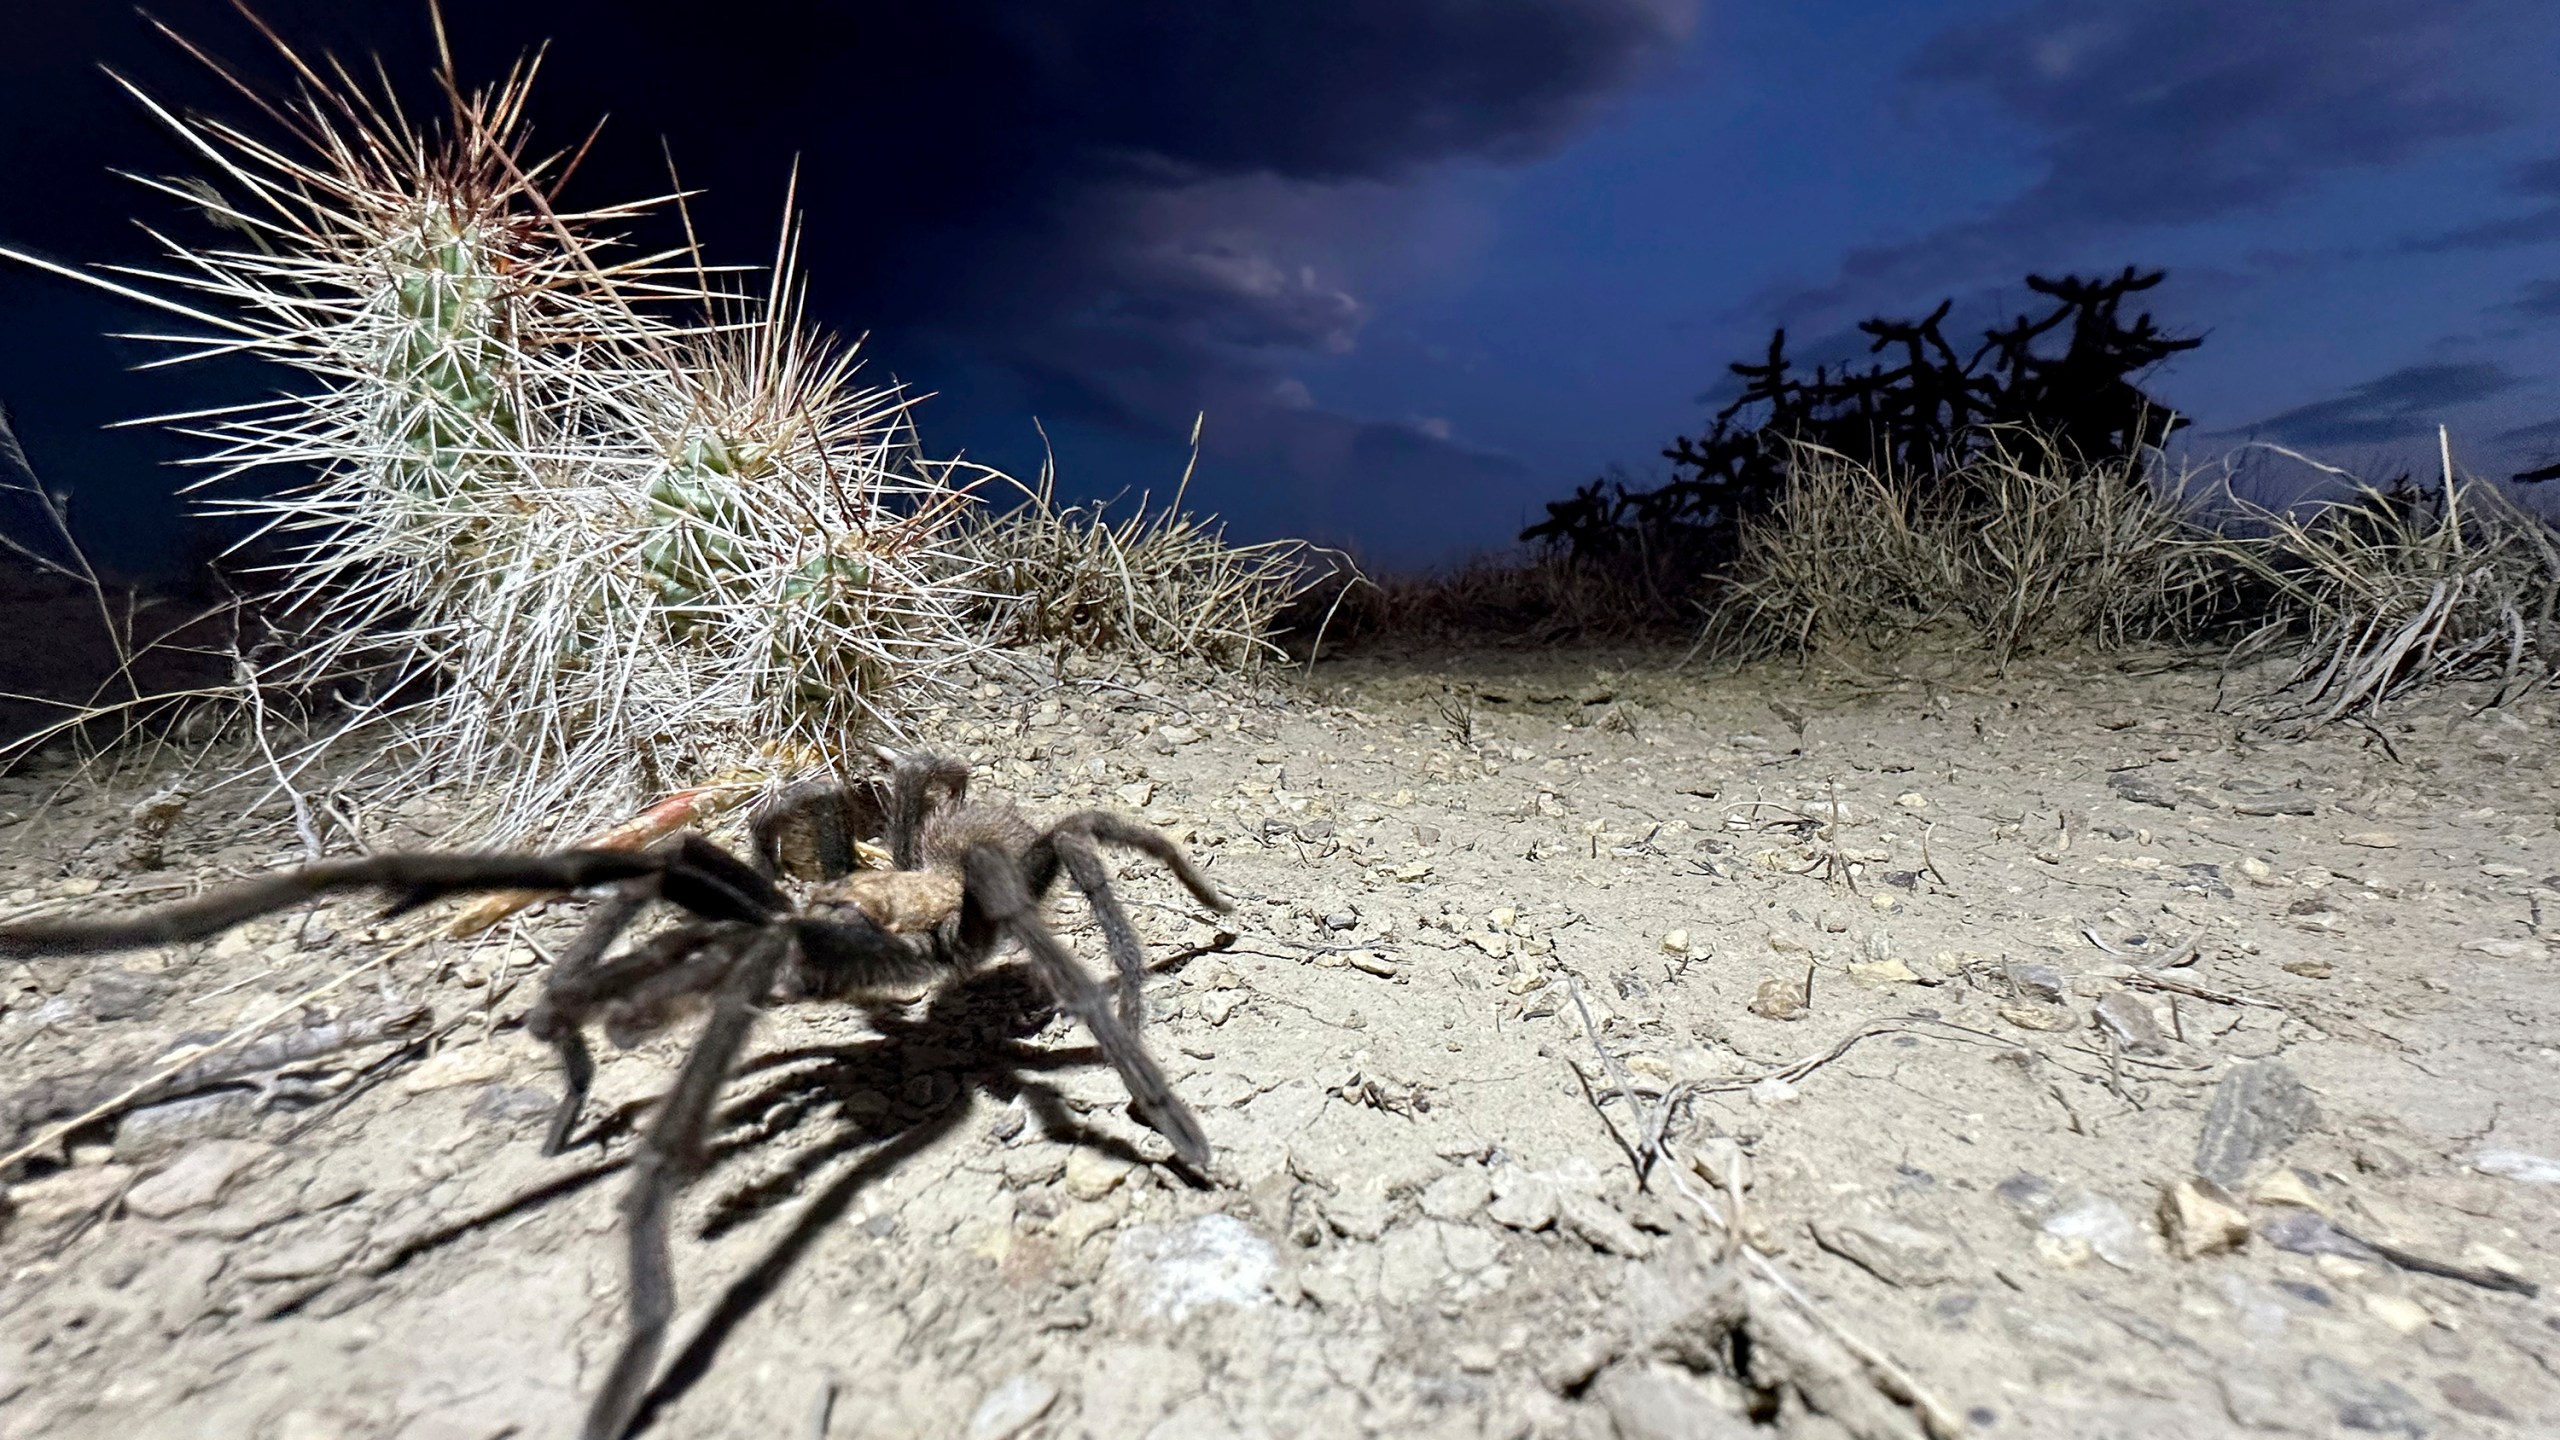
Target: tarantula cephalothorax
(968, 876)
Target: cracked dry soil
(1943, 976)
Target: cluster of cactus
(581, 526)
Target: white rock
(1011, 1407)
(1522, 1201)
(1173, 1270)
(1091, 1174)
(2517, 1165)
(195, 1179)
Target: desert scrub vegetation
(2387, 591)
(2020, 547)
(1156, 583)
(559, 522)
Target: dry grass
(2021, 549)
(1159, 584)
(2391, 593)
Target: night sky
(1428, 263)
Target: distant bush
(1923, 419)
(2018, 547)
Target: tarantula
(967, 876)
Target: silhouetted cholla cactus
(1921, 415)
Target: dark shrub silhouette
(1919, 416)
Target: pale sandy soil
(1420, 1226)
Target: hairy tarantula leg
(670, 1155)
(575, 966)
(1070, 842)
(996, 881)
(912, 780)
(1128, 955)
(416, 877)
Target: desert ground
(1574, 1007)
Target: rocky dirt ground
(2092, 1064)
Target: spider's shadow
(985, 1021)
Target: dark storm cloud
(2539, 180)
(1137, 207)
(2539, 299)
(2159, 112)
(2178, 110)
(2406, 403)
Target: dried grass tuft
(2021, 548)
(2392, 592)
(1159, 583)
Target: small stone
(2397, 1311)
(2464, 1394)
(124, 994)
(2257, 871)
(2103, 1226)
(1373, 963)
(1136, 793)
(46, 1208)
(1081, 1222)
(1458, 1195)
(194, 1180)
(1475, 1357)
(1779, 999)
(2517, 1165)
(1014, 1404)
(1172, 1271)
(1092, 1174)
(1898, 1254)
(2201, 1218)
(1657, 1401)
(1571, 1365)
(1597, 1224)
(1469, 1249)
(2032, 1196)
(1503, 917)
(2372, 840)
(1882, 972)
(1491, 942)
(2047, 1018)
(2035, 981)
(1218, 1006)
(2141, 790)
(2286, 1188)
(1359, 1212)
(2364, 1401)
(2307, 1232)
(2505, 949)
(2259, 1108)
(1521, 1201)
(158, 1130)
(1912, 800)
(1341, 920)
(2122, 1015)
(1675, 942)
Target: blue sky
(1426, 267)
